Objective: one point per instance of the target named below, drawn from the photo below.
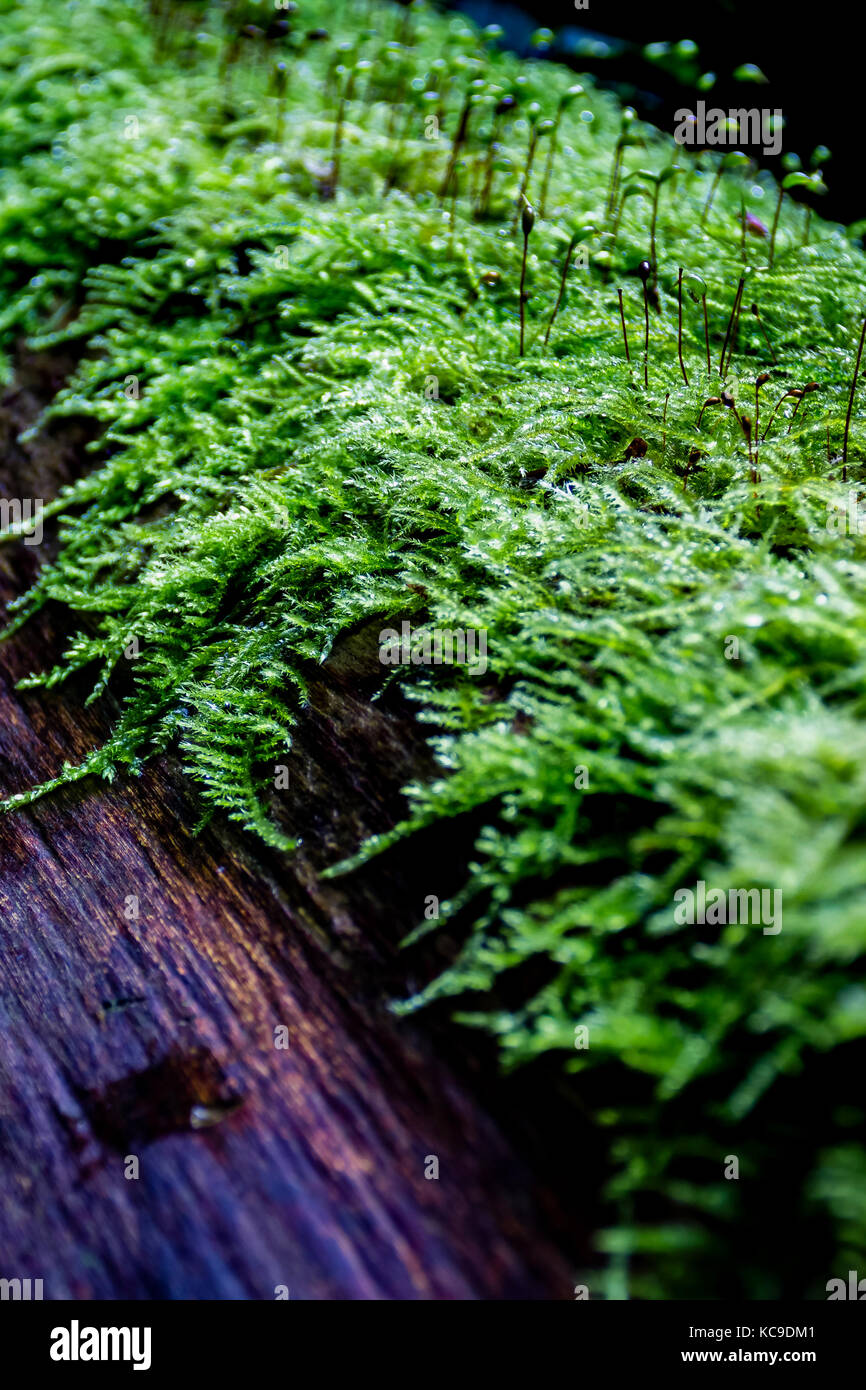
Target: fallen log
(202, 1094)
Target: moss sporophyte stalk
(302, 226)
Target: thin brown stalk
(754, 310)
(709, 203)
(524, 186)
(527, 222)
(614, 180)
(548, 167)
(784, 396)
(456, 144)
(655, 213)
(624, 329)
(331, 183)
(850, 404)
(565, 267)
(734, 307)
(759, 382)
(775, 227)
(680, 325)
(711, 400)
(644, 270)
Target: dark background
(813, 62)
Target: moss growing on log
(300, 289)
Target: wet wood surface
(147, 1043)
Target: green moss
(282, 476)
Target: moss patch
(315, 414)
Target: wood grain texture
(113, 1030)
